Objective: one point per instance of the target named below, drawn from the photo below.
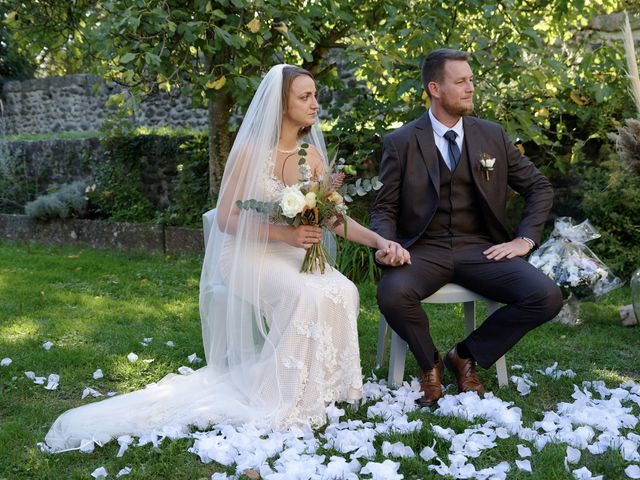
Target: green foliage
(14, 65)
(68, 201)
(611, 201)
(17, 184)
(191, 185)
(119, 182)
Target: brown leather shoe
(431, 385)
(465, 371)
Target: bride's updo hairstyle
(289, 74)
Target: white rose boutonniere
(487, 162)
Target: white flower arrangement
(571, 264)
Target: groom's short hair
(433, 65)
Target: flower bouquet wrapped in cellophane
(314, 201)
(566, 259)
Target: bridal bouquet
(314, 201)
(571, 264)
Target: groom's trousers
(530, 297)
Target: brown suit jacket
(410, 175)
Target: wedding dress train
(312, 317)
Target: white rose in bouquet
(292, 201)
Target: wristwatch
(531, 243)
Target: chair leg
(501, 369)
(501, 364)
(469, 317)
(383, 332)
(397, 358)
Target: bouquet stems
(315, 259)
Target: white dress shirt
(442, 143)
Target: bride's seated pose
(280, 344)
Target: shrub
(67, 202)
(190, 185)
(611, 201)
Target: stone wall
(102, 234)
(74, 104)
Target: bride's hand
(391, 253)
(303, 236)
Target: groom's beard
(458, 109)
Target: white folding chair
(450, 293)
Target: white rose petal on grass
(193, 358)
(170, 344)
(124, 441)
(334, 413)
(185, 370)
(573, 455)
(97, 374)
(53, 381)
(124, 471)
(524, 465)
(585, 474)
(524, 451)
(47, 345)
(132, 357)
(149, 360)
(387, 470)
(5, 362)
(90, 391)
(100, 472)
(632, 471)
(87, 446)
(398, 449)
(428, 453)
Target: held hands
(303, 236)
(391, 253)
(515, 248)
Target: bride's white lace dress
(313, 360)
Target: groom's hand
(517, 247)
(392, 254)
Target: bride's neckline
(294, 150)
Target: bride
(280, 345)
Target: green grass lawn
(97, 306)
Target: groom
(445, 183)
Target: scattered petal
(98, 374)
(193, 358)
(185, 370)
(124, 471)
(47, 345)
(87, 446)
(124, 441)
(100, 472)
(5, 362)
(573, 455)
(585, 474)
(53, 381)
(632, 471)
(90, 391)
(428, 453)
(170, 344)
(524, 451)
(387, 470)
(132, 357)
(524, 465)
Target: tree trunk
(219, 141)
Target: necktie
(454, 151)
